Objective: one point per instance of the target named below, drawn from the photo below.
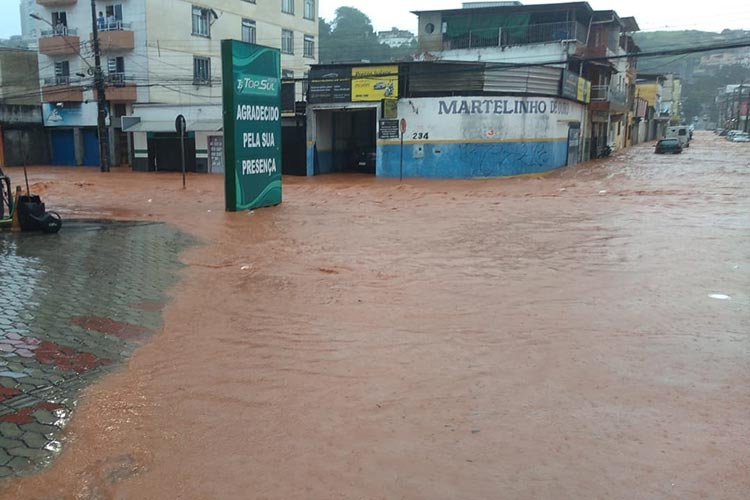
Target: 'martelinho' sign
(252, 125)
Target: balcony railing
(118, 79)
(120, 87)
(60, 31)
(114, 26)
(517, 35)
(605, 93)
(61, 88)
(57, 80)
(116, 36)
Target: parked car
(732, 133)
(741, 137)
(668, 146)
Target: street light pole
(101, 99)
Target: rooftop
(582, 7)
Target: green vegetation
(350, 37)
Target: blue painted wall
(467, 160)
(90, 148)
(63, 147)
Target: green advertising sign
(252, 125)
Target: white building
(396, 38)
(29, 34)
(161, 58)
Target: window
(309, 9)
(201, 26)
(287, 6)
(248, 31)
(116, 70)
(287, 42)
(309, 48)
(201, 71)
(60, 23)
(113, 18)
(62, 73)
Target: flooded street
(584, 334)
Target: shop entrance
(164, 152)
(346, 141)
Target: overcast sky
(651, 14)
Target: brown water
(538, 337)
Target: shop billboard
(252, 125)
(332, 84)
(374, 83)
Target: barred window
(201, 70)
(201, 25)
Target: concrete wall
(20, 114)
(19, 77)
(430, 42)
(27, 145)
(467, 137)
(140, 151)
(529, 54)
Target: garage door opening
(346, 141)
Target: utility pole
(101, 99)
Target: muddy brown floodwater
(539, 337)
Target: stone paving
(72, 306)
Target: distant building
(651, 87)
(733, 106)
(29, 31)
(396, 38)
(718, 60)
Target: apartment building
(161, 58)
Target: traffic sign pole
(402, 125)
(180, 126)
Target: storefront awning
(151, 126)
(205, 126)
(169, 126)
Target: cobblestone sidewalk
(72, 306)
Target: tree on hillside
(350, 37)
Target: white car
(741, 137)
(732, 133)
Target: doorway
(354, 141)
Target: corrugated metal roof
(427, 78)
(526, 80)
